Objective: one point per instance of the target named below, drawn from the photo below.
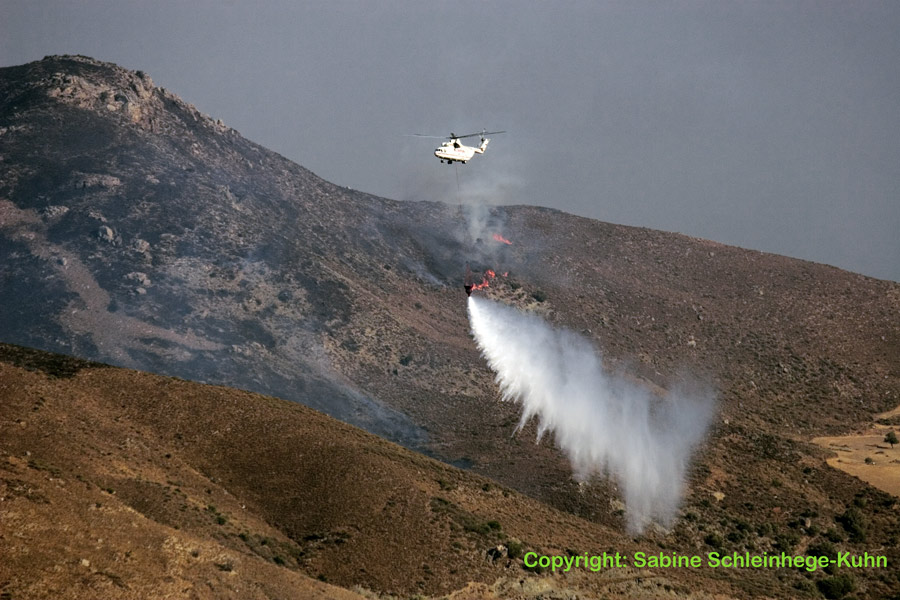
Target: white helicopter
(454, 151)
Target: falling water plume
(604, 423)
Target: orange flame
(502, 239)
(485, 280)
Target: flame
(502, 239)
(485, 280)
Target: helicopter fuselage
(454, 151)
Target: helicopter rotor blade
(481, 133)
(453, 136)
(434, 137)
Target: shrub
(822, 548)
(514, 548)
(785, 542)
(477, 527)
(833, 535)
(854, 523)
(446, 485)
(836, 586)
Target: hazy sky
(769, 125)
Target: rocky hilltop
(137, 231)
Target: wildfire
(486, 278)
(500, 238)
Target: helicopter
(454, 151)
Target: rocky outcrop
(106, 234)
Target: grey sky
(769, 125)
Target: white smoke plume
(604, 423)
(478, 194)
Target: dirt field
(883, 470)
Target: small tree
(891, 438)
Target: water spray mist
(604, 423)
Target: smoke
(477, 187)
(478, 194)
(604, 423)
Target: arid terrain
(868, 455)
(138, 232)
(116, 483)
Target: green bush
(822, 548)
(734, 536)
(477, 527)
(836, 586)
(854, 523)
(785, 542)
(833, 535)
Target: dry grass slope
(116, 483)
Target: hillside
(139, 232)
(116, 483)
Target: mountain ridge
(142, 233)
